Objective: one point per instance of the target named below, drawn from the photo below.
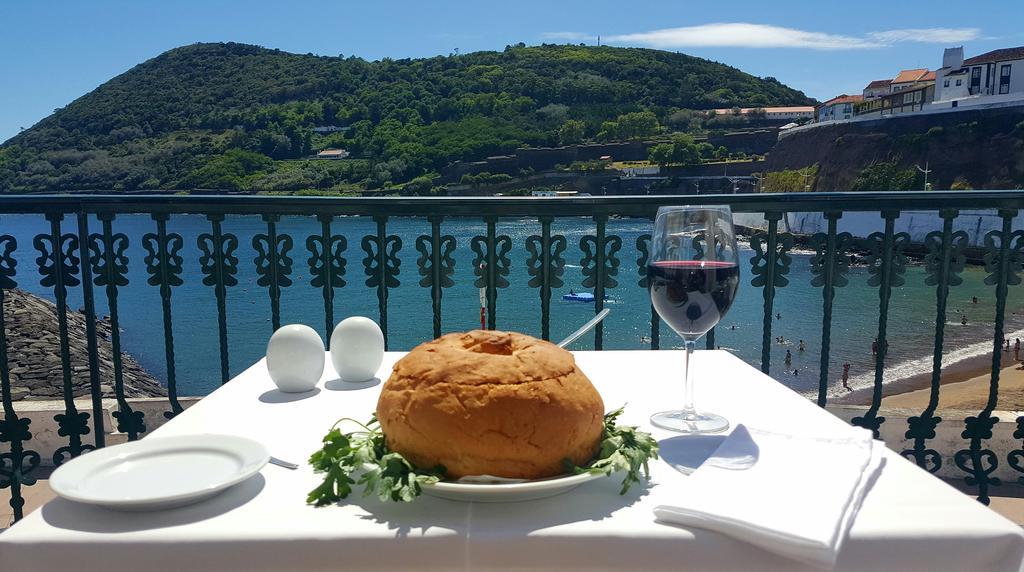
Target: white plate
(158, 473)
(507, 492)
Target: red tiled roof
(908, 76)
(1000, 55)
(879, 83)
(792, 109)
(745, 110)
(845, 99)
(930, 76)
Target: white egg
(357, 349)
(295, 358)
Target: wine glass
(693, 275)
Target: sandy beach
(964, 385)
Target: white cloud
(742, 35)
(927, 35)
(747, 35)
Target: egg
(357, 349)
(295, 358)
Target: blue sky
(55, 51)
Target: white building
(911, 79)
(332, 154)
(992, 76)
(951, 79)
(328, 129)
(837, 108)
(786, 113)
(877, 88)
(999, 72)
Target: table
(909, 521)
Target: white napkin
(794, 495)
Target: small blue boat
(580, 297)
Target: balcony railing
(82, 248)
(899, 102)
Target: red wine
(692, 295)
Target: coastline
(965, 384)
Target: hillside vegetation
(235, 116)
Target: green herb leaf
(391, 477)
(386, 474)
(623, 448)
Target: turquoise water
(855, 314)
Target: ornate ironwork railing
(72, 255)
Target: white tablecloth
(909, 521)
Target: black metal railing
(75, 256)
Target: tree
(789, 180)
(961, 184)
(609, 131)
(886, 176)
(683, 119)
(232, 171)
(660, 154)
(681, 151)
(572, 132)
(685, 154)
(420, 186)
(637, 124)
(554, 112)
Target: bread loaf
(491, 403)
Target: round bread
(491, 403)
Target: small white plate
(507, 492)
(159, 473)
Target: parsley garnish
(623, 448)
(384, 473)
(390, 476)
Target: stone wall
(758, 141)
(33, 353)
(46, 437)
(730, 169)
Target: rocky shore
(33, 353)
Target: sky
(54, 51)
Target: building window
(976, 80)
(1004, 78)
(945, 83)
(959, 82)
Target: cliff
(982, 149)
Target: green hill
(235, 116)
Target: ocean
(855, 311)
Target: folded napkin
(794, 495)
